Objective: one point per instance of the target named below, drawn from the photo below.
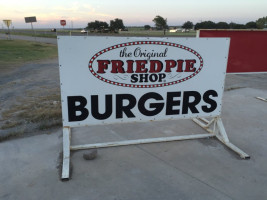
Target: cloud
(79, 11)
(75, 11)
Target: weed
(42, 112)
(10, 124)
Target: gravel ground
(21, 87)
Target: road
(29, 38)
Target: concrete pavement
(196, 169)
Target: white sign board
(108, 80)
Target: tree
(160, 23)
(251, 25)
(147, 27)
(116, 24)
(222, 25)
(262, 22)
(97, 25)
(237, 26)
(205, 25)
(188, 25)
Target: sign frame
(214, 127)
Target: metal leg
(217, 130)
(220, 133)
(260, 98)
(66, 153)
(222, 136)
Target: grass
(10, 124)
(31, 34)
(19, 51)
(41, 110)
(31, 114)
(45, 111)
(142, 32)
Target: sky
(132, 12)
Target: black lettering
(73, 108)
(171, 103)
(157, 106)
(134, 78)
(191, 105)
(153, 77)
(95, 107)
(161, 77)
(143, 78)
(120, 108)
(208, 100)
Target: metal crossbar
(217, 131)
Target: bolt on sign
(107, 80)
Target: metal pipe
(202, 125)
(66, 153)
(140, 141)
(234, 148)
(204, 120)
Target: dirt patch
(30, 100)
(39, 112)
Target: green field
(132, 31)
(19, 51)
(140, 32)
(28, 32)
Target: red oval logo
(146, 64)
